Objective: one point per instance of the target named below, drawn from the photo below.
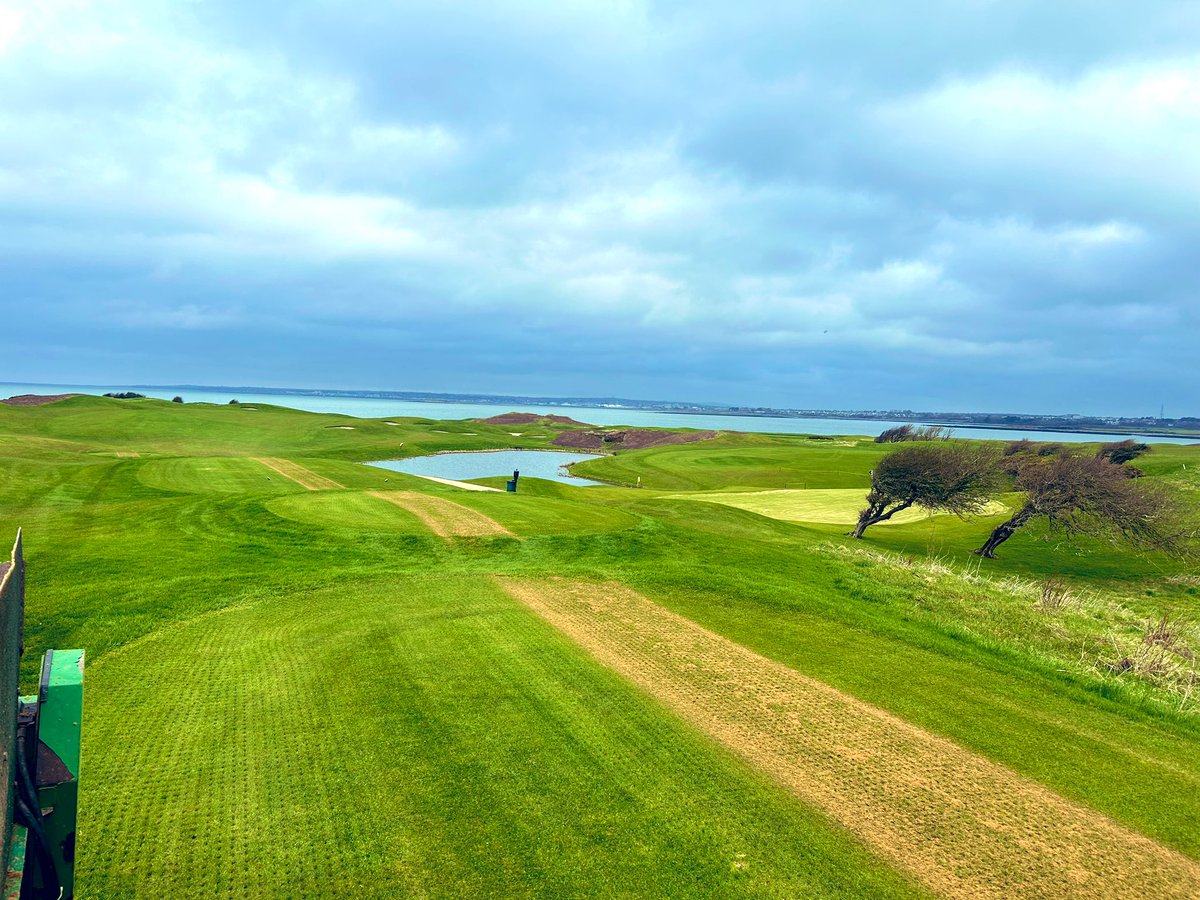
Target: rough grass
(1093, 632)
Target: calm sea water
(547, 464)
(371, 408)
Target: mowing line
(963, 825)
(306, 478)
(445, 518)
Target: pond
(548, 464)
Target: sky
(965, 205)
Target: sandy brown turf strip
(297, 473)
(962, 825)
(445, 518)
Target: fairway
(420, 737)
(214, 474)
(828, 506)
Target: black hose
(26, 803)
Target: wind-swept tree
(947, 477)
(1090, 495)
(1122, 452)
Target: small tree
(898, 433)
(1089, 495)
(894, 434)
(1122, 452)
(955, 478)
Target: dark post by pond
(512, 485)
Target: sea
(369, 407)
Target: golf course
(311, 677)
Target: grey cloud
(986, 203)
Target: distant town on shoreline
(1060, 422)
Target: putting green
(824, 506)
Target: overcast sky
(933, 205)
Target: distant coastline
(1183, 427)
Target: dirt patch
(36, 399)
(304, 477)
(443, 517)
(520, 418)
(130, 454)
(628, 439)
(962, 825)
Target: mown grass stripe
(445, 518)
(961, 824)
(306, 478)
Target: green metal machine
(39, 754)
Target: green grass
(741, 461)
(826, 506)
(420, 736)
(212, 475)
(298, 692)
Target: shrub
(913, 433)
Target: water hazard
(547, 464)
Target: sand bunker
(443, 517)
(962, 825)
